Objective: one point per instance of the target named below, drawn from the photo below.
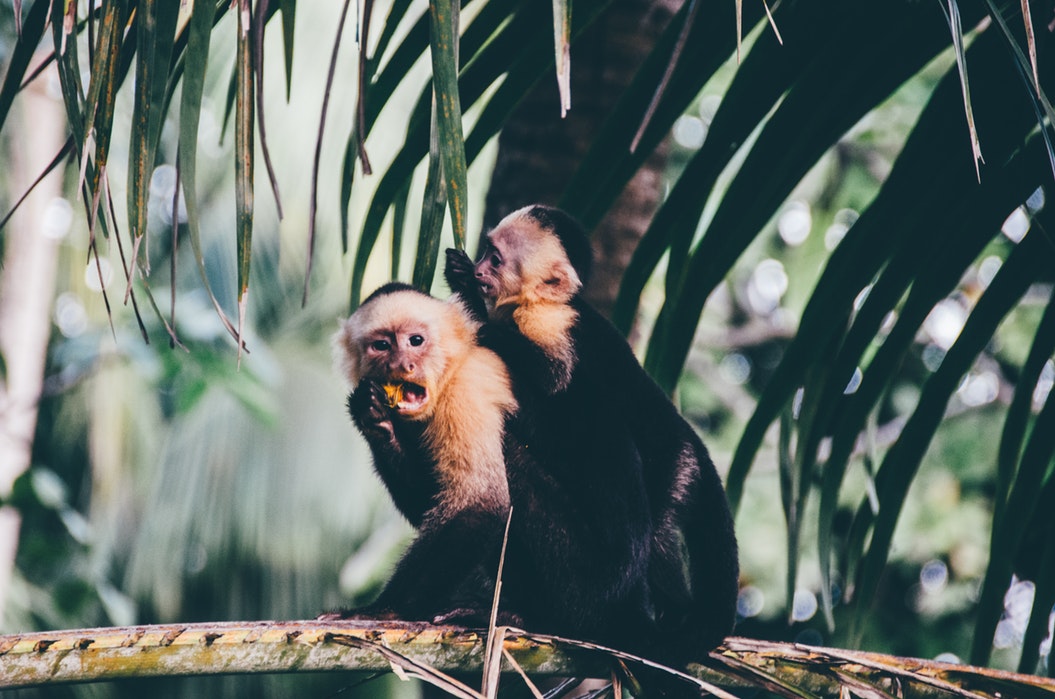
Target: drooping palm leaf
(562, 51)
(850, 269)
(106, 77)
(156, 31)
(443, 24)
(196, 60)
(856, 261)
(956, 242)
(901, 461)
(288, 8)
(29, 37)
(65, 152)
(259, 22)
(1044, 592)
(761, 78)
(609, 164)
(317, 160)
(1022, 501)
(520, 44)
(433, 210)
(244, 156)
(377, 86)
(805, 125)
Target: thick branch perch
(84, 655)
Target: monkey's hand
(368, 406)
(461, 278)
(459, 271)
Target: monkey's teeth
(413, 396)
(414, 392)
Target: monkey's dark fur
(580, 531)
(401, 336)
(520, 280)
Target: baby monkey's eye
(417, 340)
(496, 260)
(380, 345)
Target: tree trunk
(538, 151)
(27, 289)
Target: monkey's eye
(417, 340)
(496, 259)
(380, 345)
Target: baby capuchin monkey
(432, 405)
(455, 450)
(526, 284)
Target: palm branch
(434, 654)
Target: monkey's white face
(399, 355)
(402, 339)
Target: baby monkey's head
(535, 254)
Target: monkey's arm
(461, 278)
(400, 457)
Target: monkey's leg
(447, 551)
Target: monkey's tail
(693, 622)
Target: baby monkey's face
(521, 262)
(495, 277)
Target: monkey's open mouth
(412, 398)
(486, 288)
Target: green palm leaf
(244, 157)
(29, 36)
(155, 34)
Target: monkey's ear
(558, 285)
(346, 353)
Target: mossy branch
(84, 655)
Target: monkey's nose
(403, 367)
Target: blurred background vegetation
(857, 320)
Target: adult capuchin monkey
(432, 405)
(525, 284)
(455, 450)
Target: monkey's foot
(474, 617)
(363, 613)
